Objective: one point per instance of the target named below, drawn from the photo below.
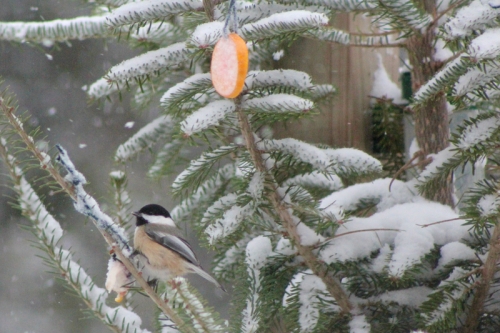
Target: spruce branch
(89, 207)
(49, 232)
(318, 268)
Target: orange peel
(229, 65)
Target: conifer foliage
(311, 237)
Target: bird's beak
(137, 214)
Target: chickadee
(165, 254)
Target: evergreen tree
(311, 237)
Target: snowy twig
(318, 268)
(49, 232)
(92, 211)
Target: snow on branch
(344, 5)
(49, 32)
(204, 192)
(150, 10)
(157, 32)
(145, 138)
(476, 78)
(207, 116)
(49, 232)
(313, 298)
(477, 15)
(251, 12)
(340, 161)
(348, 160)
(305, 152)
(103, 87)
(441, 81)
(276, 24)
(199, 168)
(478, 133)
(150, 62)
(376, 191)
(278, 103)
(186, 90)
(207, 34)
(88, 206)
(411, 242)
(485, 46)
(329, 34)
(316, 179)
(257, 253)
(404, 13)
(232, 217)
(278, 77)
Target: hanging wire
(231, 16)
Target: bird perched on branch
(163, 253)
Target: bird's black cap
(151, 209)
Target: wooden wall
(345, 121)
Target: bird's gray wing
(163, 235)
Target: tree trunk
(431, 118)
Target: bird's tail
(201, 272)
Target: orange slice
(229, 65)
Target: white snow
(476, 78)
(313, 297)
(359, 324)
(485, 46)
(229, 222)
(376, 191)
(411, 242)
(384, 87)
(149, 62)
(103, 87)
(191, 85)
(48, 32)
(278, 103)
(488, 205)
(299, 149)
(257, 253)
(475, 16)
(454, 251)
(278, 77)
(150, 10)
(412, 297)
(207, 34)
(205, 190)
(88, 206)
(207, 116)
(316, 179)
(351, 159)
(478, 133)
(129, 124)
(284, 21)
(278, 55)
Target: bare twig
(439, 222)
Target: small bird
(165, 254)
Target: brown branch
(483, 286)
(30, 144)
(439, 222)
(405, 167)
(319, 269)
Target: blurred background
(48, 84)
